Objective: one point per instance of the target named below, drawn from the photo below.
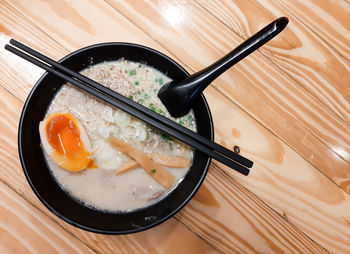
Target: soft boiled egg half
(66, 142)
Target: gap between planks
(215, 87)
(192, 71)
(281, 69)
(275, 64)
(182, 65)
(230, 99)
(311, 29)
(54, 219)
(162, 45)
(216, 166)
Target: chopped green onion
(138, 92)
(139, 65)
(159, 111)
(140, 101)
(160, 81)
(153, 171)
(153, 109)
(132, 72)
(131, 97)
(137, 83)
(165, 137)
(181, 122)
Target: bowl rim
(64, 218)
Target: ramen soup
(102, 156)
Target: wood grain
(255, 84)
(24, 229)
(229, 230)
(290, 130)
(126, 242)
(282, 178)
(299, 51)
(257, 237)
(224, 213)
(329, 20)
(23, 75)
(80, 29)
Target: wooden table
(286, 106)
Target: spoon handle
(203, 78)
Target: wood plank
(328, 20)
(252, 242)
(148, 241)
(255, 84)
(337, 137)
(11, 20)
(259, 233)
(299, 51)
(23, 75)
(281, 178)
(257, 240)
(314, 64)
(80, 29)
(24, 229)
(169, 237)
(12, 175)
(221, 193)
(276, 166)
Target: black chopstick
(240, 159)
(136, 109)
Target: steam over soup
(106, 158)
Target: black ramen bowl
(48, 190)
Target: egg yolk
(62, 132)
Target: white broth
(99, 185)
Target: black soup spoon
(179, 96)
